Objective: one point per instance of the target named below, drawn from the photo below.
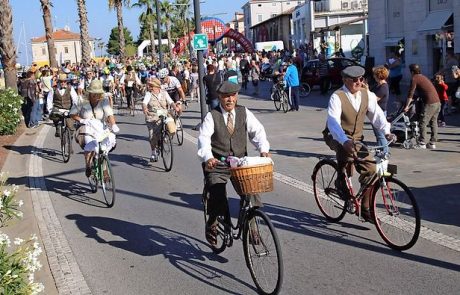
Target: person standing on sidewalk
(382, 92)
(441, 88)
(431, 106)
(323, 72)
(395, 66)
(291, 80)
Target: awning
(392, 41)
(336, 27)
(435, 21)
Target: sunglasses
(358, 79)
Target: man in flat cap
(347, 110)
(224, 133)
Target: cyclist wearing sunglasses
(347, 110)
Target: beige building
(68, 48)
(238, 25)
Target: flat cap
(228, 87)
(353, 71)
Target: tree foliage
(113, 46)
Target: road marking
(63, 265)
(425, 232)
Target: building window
(66, 49)
(259, 17)
(274, 4)
(274, 14)
(43, 51)
(288, 3)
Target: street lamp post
(196, 8)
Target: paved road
(152, 241)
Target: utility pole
(196, 8)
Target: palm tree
(182, 14)
(168, 12)
(84, 35)
(7, 47)
(148, 17)
(46, 8)
(118, 5)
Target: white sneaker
(420, 146)
(154, 157)
(431, 146)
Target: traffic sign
(200, 41)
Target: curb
(63, 265)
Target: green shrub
(10, 111)
(18, 258)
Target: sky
(27, 17)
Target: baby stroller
(405, 125)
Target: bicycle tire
(276, 100)
(262, 252)
(305, 89)
(179, 131)
(284, 101)
(107, 181)
(390, 220)
(66, 141)
(167, 151)
(327, 196)
(222, 232)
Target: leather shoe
(367, 215)
(211, 234)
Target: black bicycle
(165, 144)
(102, 174)
(179, 128)
(280, 97)
(261, 247)
(66, 137)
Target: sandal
(366, 215)
(254, 237)
(88, 171)
(211, 234)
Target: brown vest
(156, 103)
(352, 122)
(62, 101)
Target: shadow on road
(184, 252)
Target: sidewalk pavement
(17, 165)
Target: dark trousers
(216, 181)
(293, 94)
(26, 109)
(442, 111)
(129, 95)
(324, 84)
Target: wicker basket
(252, 179)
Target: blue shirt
(291, 78)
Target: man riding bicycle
(347, 110)
(155, 100)
(172, 85)
(224, 133)
(63, 97)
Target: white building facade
(339, 23)
(67, 44)
(257, 11)
(422, 30)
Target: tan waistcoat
(156, 103)
(352, 122)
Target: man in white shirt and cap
(347, 110)
(224, 133)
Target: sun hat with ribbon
(95, 87)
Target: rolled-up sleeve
(256, 133)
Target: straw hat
(154, 82)
(95, 87)
(62, 77)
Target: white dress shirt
(374, 114)
(49, 100)
(256, 133)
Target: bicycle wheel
(284, 101)
(167, 151)
(179, 131)
(66, 141)
(262, 252)
(223, 235)
(328, 198)
(107, 181)
(305, 89)
(276, 100)
(396, 214)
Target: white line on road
(425, 232)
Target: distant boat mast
(23, 36)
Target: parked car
(310, 73)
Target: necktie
(230, 126)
